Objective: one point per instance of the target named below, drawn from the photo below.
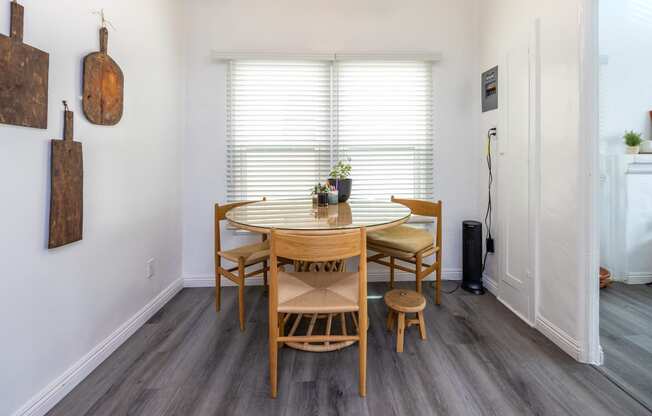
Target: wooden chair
(317, 292)
(411, 245)
(243, 257)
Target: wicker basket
(605, 278)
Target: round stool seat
(403, 300)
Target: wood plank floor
(626, 338)
(479, 359)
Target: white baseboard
(47, 398)
(375, 276)
(559, 337)
(638, 278)
(490, 284)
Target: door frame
(589, 302)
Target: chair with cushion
(242, 257)
(317, 293)
(409, 244)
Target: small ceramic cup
(332, 197)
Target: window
(384, 124)
(289, 121)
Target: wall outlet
(149, 269)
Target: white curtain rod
(399, 56)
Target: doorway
(625, 194)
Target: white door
(514, 249)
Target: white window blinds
(384, 124)
(288, 121)
(278, 128)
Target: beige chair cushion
(252, 253)
(403, 239)
(317, 292)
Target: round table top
(301, 215)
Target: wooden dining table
(302, 216)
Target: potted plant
(321, 192)
(339, 178)
(632, 142)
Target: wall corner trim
(47, 398)
(558, 336)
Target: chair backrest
(221, 210)
(318, 248)
(421, 207)
(220, 215)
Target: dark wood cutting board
(23, 77)
(103, 98)
(67, 185)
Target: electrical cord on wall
(488, 214)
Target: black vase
(343, 187)
(322, 199)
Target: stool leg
(422, 325)
(390, 320)
(400, 332)
(391, 272)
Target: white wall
(507, 24)
(294, 26)
(57, 305)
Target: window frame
(334, 134)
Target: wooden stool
(402, 301)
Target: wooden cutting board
(23, 77)
(66, 194)
(103, 98)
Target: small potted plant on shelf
(339, 178)
(632, 142)
(320, 195)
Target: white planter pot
(646, 146)
(631, 150)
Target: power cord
(488, 214)
(457, 286)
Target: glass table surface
(301, 215)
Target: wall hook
(103, 19)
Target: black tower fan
(472, 257)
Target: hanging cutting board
(103, 86)
(23, 77)
(66, 194)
